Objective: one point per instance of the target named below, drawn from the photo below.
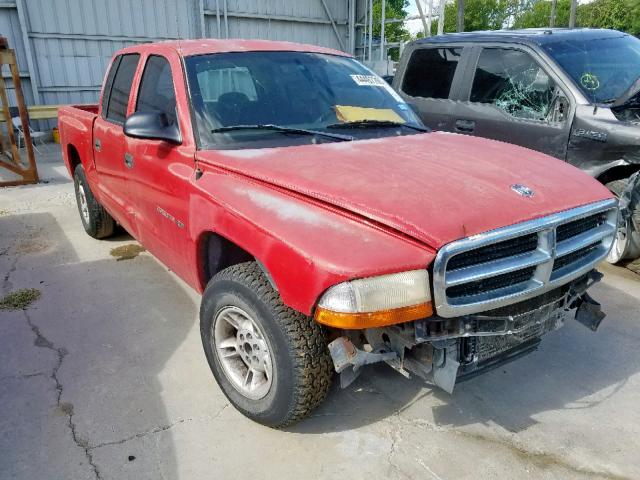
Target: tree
(481, 14)
(616, 14)
(621, 15)
(539, 13)
(393, 32)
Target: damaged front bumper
(443, 350)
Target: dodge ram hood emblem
(522, 190)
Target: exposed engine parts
(442, 350)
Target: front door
(512, 98)
(159, 172)
(108, 141)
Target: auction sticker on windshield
(368, 80)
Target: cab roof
(203, 46)
(528, 36)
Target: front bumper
(440, 350)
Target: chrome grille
(511, 264)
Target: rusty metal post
(13, 162)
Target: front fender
(305, 246)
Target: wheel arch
(73, 158)
(619, 172)
(216, 252)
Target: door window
(119, 95)
(430, 72)
(109, 83)
(514, 82)
(156, 92)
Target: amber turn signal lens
(352, 321)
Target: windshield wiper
(280, 128)
(376, 124)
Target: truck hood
(435, 187)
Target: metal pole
(441, 18)
(366, 25)
(352, 27)
(424, 22)
(33, 70)
(226, 22)
(383, 15)
(333, 24)
(218, 17)
(370, 27)
(430, 17)
(460, 19)
(552, 18)
(572, 14)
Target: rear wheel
(95, 219)
(270, 361)
(626, 245)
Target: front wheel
(270, 361)
(626, 244)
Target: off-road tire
(99, 223)
(302, 367)
(632, 250)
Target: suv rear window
(430, 72)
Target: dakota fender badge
(170, 217)
(522, 190)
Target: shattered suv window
(514, 82)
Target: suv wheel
(626, 245)
(270, 361)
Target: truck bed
(75, 123)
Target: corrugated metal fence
(63, 46)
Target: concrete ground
(104, 377)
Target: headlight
(376, 301)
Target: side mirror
(153, 126)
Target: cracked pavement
(103, 377)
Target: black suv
(573, 94)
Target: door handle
(128, 160)
(465, 126)
(98, 144)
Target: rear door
(430, 81)
(108, 140)
(510, 95)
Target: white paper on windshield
(368, 80)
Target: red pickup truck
(326, 227)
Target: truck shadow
(573, 368)
(115, 326)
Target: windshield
(603, 68)
(288, 98)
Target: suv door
(429, 82)
(108, 140)
(159, 173)
(510, 96)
